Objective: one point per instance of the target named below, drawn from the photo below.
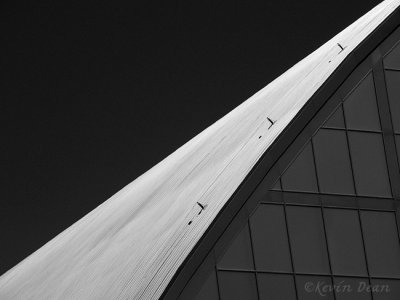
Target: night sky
(95, 93)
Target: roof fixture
(341, 47)
(271, 121)
(203, 207)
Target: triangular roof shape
(132, 245)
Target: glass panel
(385, 289)
(277, 185)
(307, 239)
(276, 286)
(209, 290)
(237, 285)
(333, 162)
(393, 86)
(336, 120)
(381, 243)
(238, 255)
(273, 196)
(271, 247)
(314, 287)
(360, 108)
(392, 59)
(369, 164)
(398, 147)
(345, 241)
(352, 288)
(300, 176)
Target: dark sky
(95, 93)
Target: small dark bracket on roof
(341, 50)
(271, 121)
(341, 47)
(203, 207)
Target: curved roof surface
(131, 246)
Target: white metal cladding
(130, 246)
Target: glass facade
(328, 228)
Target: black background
(95, 93)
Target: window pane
(352, 288)
(300, 176)
(336, 120)
(307, 239)
(333, 162)
(393, 86)
(398, 147)
(381, 243)
(369, 164)
(209, 290)
(385, 289)
(345, 242)
(276, 286)
(277, 186)
(392, 59)
(360, 108)
(237, 285)
(314, 287)
(238, 255)
(273, 196)
(271, 247)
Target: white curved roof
(130, 246)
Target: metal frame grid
(332, 276)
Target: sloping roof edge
(256, 176)
(131, 246)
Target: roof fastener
(341, 47)
(203, 207)
(271, 121)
